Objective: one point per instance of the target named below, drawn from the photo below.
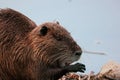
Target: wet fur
(25, 54)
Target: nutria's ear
(43, 31)
(57, 22)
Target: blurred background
(94, 24)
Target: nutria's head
(53, 45)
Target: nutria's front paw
(76, 67)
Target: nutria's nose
(78, 53)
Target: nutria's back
(38, 53)
(14, 26)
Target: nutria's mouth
(63, 64)
(67, 62)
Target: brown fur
(27, 54)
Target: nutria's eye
(43, 31)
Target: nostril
(78, 53)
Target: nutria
(28, 52)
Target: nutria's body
(28, 52)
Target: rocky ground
(109, 71)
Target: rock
(110, 70)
